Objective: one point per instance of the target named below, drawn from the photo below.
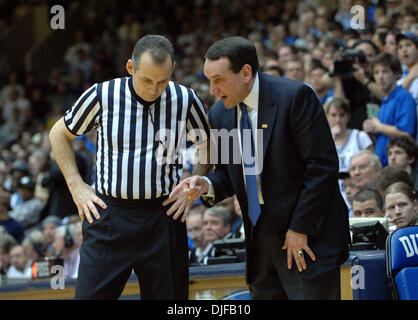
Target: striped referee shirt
(139, 143)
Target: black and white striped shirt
(139, 144)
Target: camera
(343, 66)
(42, 268)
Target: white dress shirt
(251, 101)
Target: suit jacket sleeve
(313, 140)
(220, 179)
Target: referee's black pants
(133, 235)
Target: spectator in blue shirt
(397, 114)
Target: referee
(138, 164)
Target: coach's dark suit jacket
(299, 178)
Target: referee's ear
(130, 67)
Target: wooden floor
(206, 283)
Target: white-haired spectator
(365, 166)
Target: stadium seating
(402, 263)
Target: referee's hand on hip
(85, 198)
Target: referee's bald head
(159, 47)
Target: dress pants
(272, 280)
(133, 235)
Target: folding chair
(402, 263)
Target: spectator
(321, 88)
(80, 43)
(21, 265)
(202, 247)
(27, 213)
(217, 224)
(39, 104)
(347, 141)
(367, 203)
(350, 37)
(390, 44)
(236, 219)
(6, 243)
(401, 205)
(403, 153)
(274, 71)
(67, 245)
(407, 19)
(294, 70)
(390, 175)
(379, 37)
(13, 227)
(9, 87)
(286, 53)
(83, 63)
(38, 164)
(15, 102)
(11, 129)
(62, 99)
(35, 245)
(343, 15)
(130, 30)
(272, 67)
(407, 51)
(355, 86)
(348, 190)
(365, 167)
(49, 227)
(397, 115)
(18, 170)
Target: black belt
(142, 203)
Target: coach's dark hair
(158, 46)
(238, 50)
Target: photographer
(353, 80)
(35, 245)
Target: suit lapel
(266, 111)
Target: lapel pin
(264, 125)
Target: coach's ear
(130, 67)
(174, 66)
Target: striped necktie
(248, 157)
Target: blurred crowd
(364, 74)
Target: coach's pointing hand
(184, 195)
